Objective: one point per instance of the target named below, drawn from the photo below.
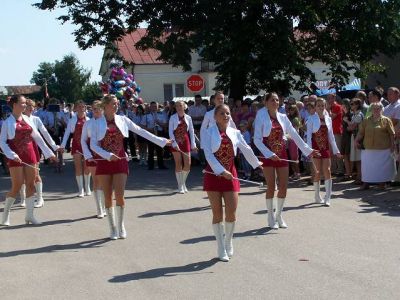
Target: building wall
(392, 77)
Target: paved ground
(347, 251)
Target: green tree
(255, 44)
(91, 92)
(66, 79)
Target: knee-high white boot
(22, 195)
(229, 229)
(179, 180)
(98, 204)
(79, 181)
(271, 215)
(100, 194)
(279, 208)
(121, 225)
(88, 192)
(328, 192)
(184, 177)
(111, 222)
(219, 235)
(6, 213)
(317, 196)
(39, 194)
(30, 206)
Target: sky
(29, 36)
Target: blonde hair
(320, 100)
(79, 102)
(30, 102)
(107, 99)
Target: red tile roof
(128, 51)
(23, 89)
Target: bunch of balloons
(121, 84)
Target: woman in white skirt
(355, 152)
(376, 135)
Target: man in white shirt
(392, 110)
(197, 113)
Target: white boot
(328, 192)
(100, 194)
(229, 229)
(88, 192)
(22, 195)
(317, 196)
(121, 225)
(184, 177)
(98, 204)
(279, 208)
(6, 213)
(179, 180)
(219, 235)
(79, 181)
(111, 222)
(30, 206)
(271, 216)
(39, 194)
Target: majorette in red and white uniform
(90, 155)
(269, 138)
(320, 136)
(107, 140)
(181, 132)
(17, 140)
(74, 127)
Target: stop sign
(195, 83)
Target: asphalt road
(347, 251)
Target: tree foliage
(66, 79)
(255, 44)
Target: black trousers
(150, 158)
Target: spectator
(346, 139)
(356, 119)
(363, 97)
(376, 134)
(244, 130)
(336, 114)
(197, 112)
(293, 115)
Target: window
(173, 90)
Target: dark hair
(346, 102)
(197, 96)
(376, 92)
(14, 100)
(357, 101)
(269, 96)
(296, 111)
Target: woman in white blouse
(107, 141)
(74, 127)
(220, 148)
(90, 159)
(30, 106)
(270, 128)
(17, 138)
(320, 136)
(181, 132)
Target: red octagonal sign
(195, 83)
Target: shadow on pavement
(48, 223)
(150, 196)
(249, 233)
(166, 272)
(56, 248)
(288, 208)
(175, 212)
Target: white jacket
(173, 124)
(37, 122)
(212, 142)
(8, 133)
(262, 128)
(86, 134)
(313, 125)
(125, 125)
(70, 129)
(209, 121)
